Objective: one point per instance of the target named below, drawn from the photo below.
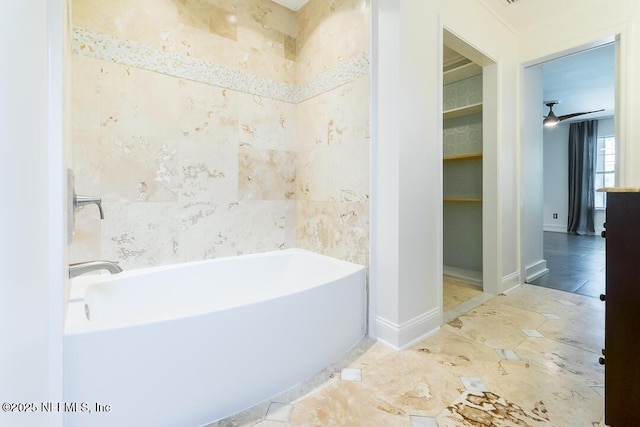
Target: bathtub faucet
(86, 267)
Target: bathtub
(189, 344)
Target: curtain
(582, 167)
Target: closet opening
(469, 151)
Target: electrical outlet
(555, 216)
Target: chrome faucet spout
(79, 268)
(79, 201)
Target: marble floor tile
(417, 387)
(521, 359)
(561, 400)
(532, 333)
(552, 316)
(351, 374)
(507, 354)
(347, 403)
(533, 298)
(268, 423)
(470, 304)
(455, 292)
(279, 412)
(418, 421)
(587, 334)
(555, 358)
(476, 408)
(564, 302)
(495, 325)
(474, 384)
(583, 306)
(510, 315)
(373, 356)
(457, 354)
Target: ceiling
(292, 4)
(526, 15)
(584, 81)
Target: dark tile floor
(576, 264)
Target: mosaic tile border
(127, 52)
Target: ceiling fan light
(550, 121)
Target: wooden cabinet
(622, 314)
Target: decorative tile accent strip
(127, 52)
(346, 72)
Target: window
(605, 167)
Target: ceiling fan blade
(568, 116)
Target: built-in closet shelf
(463, 199)
(462, 72)
(462, 111)
(463, 157)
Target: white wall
(581, 26)
(531, 173)
(556, 191)
(31, 188)
(606, 127)
(406, 272)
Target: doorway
(469, 179)
(576, 264)
(580, 78)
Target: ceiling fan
(551, 119)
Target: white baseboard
(510, 282)
(468, 276)
(400, 337)
(538, 269)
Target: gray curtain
(582, 168)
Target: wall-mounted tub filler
(79, 201)
(86, 267)
(75, 201)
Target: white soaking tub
(188, 344)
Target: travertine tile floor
(528, 358)
(459, 298)
(455, 292)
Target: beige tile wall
(223, 158)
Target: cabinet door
(622, 318)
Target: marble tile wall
(189, 121)
(333, 134)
